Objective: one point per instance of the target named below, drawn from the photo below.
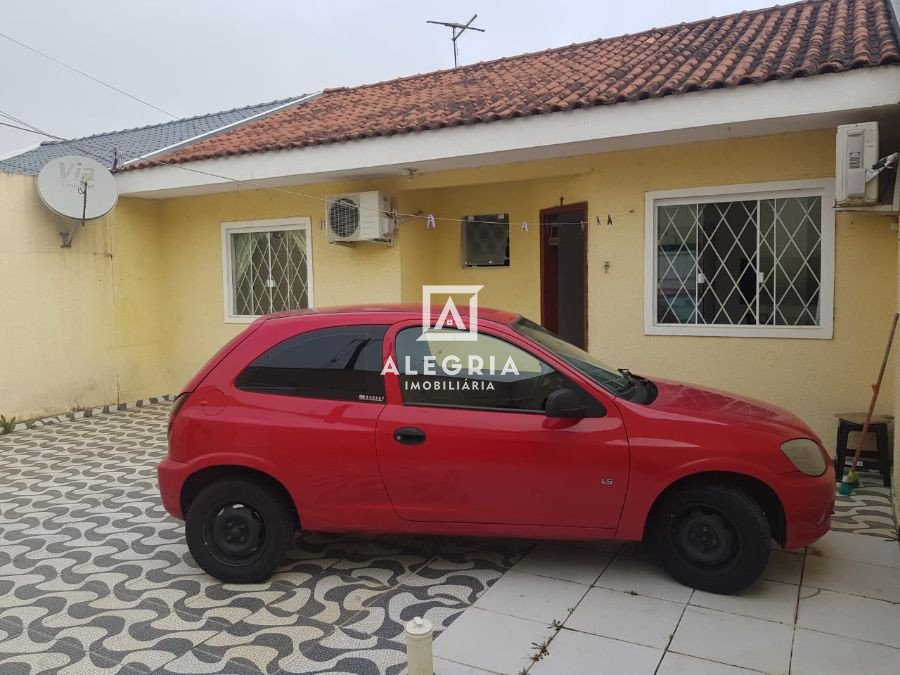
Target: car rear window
(341, 363)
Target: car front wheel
(712, 537)
(239, 530)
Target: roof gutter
(213, 132)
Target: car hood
(679, 399)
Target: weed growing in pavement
(7, 424)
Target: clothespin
(598, 219)
(395, 219)
(322, 224)
(608, 219)
(524, 226)
(582, 227)
(429, 222)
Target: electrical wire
(37, 130)
(87, 75)
(16, 126)
(431, 218)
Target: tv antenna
(458, 29)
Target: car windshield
(592, 367)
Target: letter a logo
(450, 317)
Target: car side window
(487, 373)
(341, 363)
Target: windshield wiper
(647, 388)
(631, 377)
(631, 383)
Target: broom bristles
(848, 483)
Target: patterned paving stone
(868, 510)
(95, 576)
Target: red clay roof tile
(798, 40)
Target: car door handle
(409, 435)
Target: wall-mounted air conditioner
(360, 216)
(857, 152)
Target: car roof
(400, 310)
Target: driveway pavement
(833, 609)
(96, 577)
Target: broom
(851, 480)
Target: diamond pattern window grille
(756, 262)
(485, 240)
(269, 271)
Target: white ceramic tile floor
(574, 652)
(490, 641)
(784, 566)
(769, 600)
(821, 654)
(735, 640)
(641, 576)
(568, 563)
(860, 548)
(853, 577)
(850, 616)
(679, 664)
(529, 596)
(445, 667)
(604, 546)
(635, 619)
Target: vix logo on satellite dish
(73, 174)
(449, 316)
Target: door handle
(409, 435)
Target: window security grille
(755, 262)
(485, 240)
(270, 271)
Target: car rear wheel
(239, 530)
(712, 537)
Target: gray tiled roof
(130, 144)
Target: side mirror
(565, 403)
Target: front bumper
(808, 505)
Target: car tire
(711, 537)
(239, 530)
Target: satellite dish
(77, 187)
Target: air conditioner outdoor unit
(857, 152)
(361, 216)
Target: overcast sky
(195, 56)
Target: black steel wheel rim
(235, 534)
(705, 538)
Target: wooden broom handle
(875, 389)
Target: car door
(463, 446)
(308, 404)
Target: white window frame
(271, 225)
(823, 188)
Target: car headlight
(805, 454)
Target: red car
(349, 419)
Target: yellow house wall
(814, 378)
(896, 399)
(193, 270)
(79, 325)
(138, 304)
